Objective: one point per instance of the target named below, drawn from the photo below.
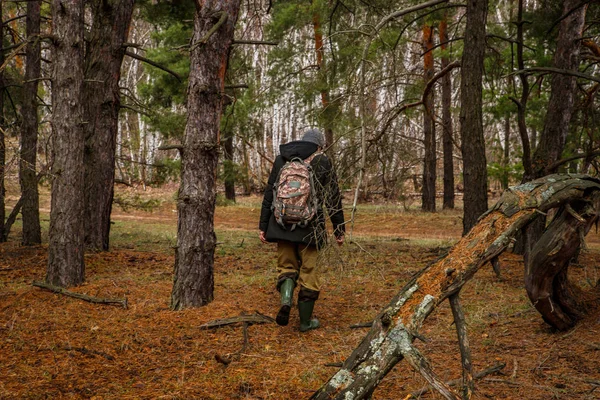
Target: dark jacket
(328, 194)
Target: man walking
(298, 241)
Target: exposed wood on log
(85, 297)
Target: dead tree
(396, 327)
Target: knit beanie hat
(314, 136)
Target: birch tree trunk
(32, 233)
(214, 24)
(104, 56)
(66, 247)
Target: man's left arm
(332, 197)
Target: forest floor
(53, 346)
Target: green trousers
(299, 260)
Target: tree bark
(522, 104)
(506, 154)
(328, 112)
(228, 167)
(562, 93)
(66, 247)
(429, 162)
(32, 233)
(463, 343)
(394, 329)
(104, 55)
(471, 119)
(546, 269)
(214, 24)
(447, 141)
(560, 106)
(2, 139)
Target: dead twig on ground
(81, 296)
(362, 325)
(257, 318)
(493, 369)
(87, 352)
(227, 360)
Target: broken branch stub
(388, 343)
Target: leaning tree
(576, 199)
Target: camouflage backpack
(294, 196)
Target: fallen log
(396, 327)
(81, 296)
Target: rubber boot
(305, 309)
(286, 290)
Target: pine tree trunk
(471, 119)
(447, 142)
(66, 247)
(228, 167)
(328, 112)
(562, 92)
(29, 129)
(2, 139)
(110, 27)
(429, 162)
(560, 107)
(522, 104)
(506, 154)
(193, 283)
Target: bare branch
(255, 42)
(212, 30)
(154, 64)
(554, 71)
